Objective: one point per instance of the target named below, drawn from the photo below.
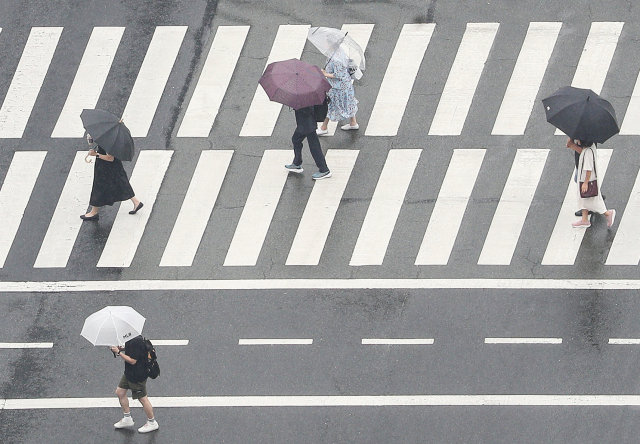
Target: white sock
(127, 415)
(151, 421)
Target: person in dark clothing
(110, 183)
(306, 128)
(134, 379)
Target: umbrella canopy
(108, 132)
(294, 83)
(581, 114)
(113, 325)
(338, 45)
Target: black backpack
(151, 367)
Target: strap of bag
(595, 173)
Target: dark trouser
(314, 147)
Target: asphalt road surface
(432, 290)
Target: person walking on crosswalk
(110, 183)
(306, 128)
(343, 104)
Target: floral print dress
(344, 104)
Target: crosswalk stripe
(152, 78)
(625, 249)
(513, 207)
(65, 223)
(361, 33)
(385, 206)
(596, 56)
(631, 124)
(320, 210)
(526, 78)
(89, 81)
(463, 79)
(450, 206)
(15, 193)
(263, 114)
(127, 230)
(399, 78)
(214, 81)
(565, 240)
(196, 209)
(259, 209)
(27, 80)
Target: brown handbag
(592, 185)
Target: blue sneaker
(319, 175)
(294, 168)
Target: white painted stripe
(450, 206)
(26, 344)
(275, 341)
(526, 78)
(89, 81)
(259, 209)
(596, 56)
(152, 78)
(523, 340)
(385, 206)
(361, 33)
(625, 248)
(196, 208)
(631, 124)
(620, 341)
(565, 240)
(332, 401)
(397, 342)
(318, 284)
(214, 81)
(321, 209)
(513, 207)
(27, 81)
(170, 342)
(263, 114)
(65, 223)
(399, 79)
(127, 229)
(15, 193)
(463, 79)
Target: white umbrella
(338, 45)
(113, 325)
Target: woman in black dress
(110, 184)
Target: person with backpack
(137, 357)
(306, 129)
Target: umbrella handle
(87, 157)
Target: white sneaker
(124, 422)
(348, 127)
(321, 132)
(149, 427)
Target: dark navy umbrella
(108, 131)
(581, 114)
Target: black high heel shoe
(140, 205)
(94, 217)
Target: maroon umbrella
(294, 83)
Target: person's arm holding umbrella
(120, 351)
(107, 157)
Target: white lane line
(317, 284)
(596, 56)
(450, 207)
(397, 342)
(523, 340)
(127, 229)
(463, 79)
(15, 194)
(27, 80)
(152, 78)
(399, 79)
(526, 78)
(361, 33)
(65, 223)
(169, 341)
(259, 208)
(631, 123)
(513, 207)
(26, 344)
(275, 341)
(385, 206)
(214, 81)
(89, 80)
(621, 341)
(565, 240)
(321, 209)
(196, 208)
(333, 401)
(625, 248)
(263, 114)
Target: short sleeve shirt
(135, 349)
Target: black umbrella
(581, 114)
(108, 131)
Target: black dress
(110, 182)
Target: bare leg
(585, 215)
(146, 405)
(124, 401)
(323, 127)
(93, 212)
(353, 121)
(135, 201)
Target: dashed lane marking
(523, 340)
(26, 344)
(397, 341)
(275, 341)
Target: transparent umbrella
(338, 45)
